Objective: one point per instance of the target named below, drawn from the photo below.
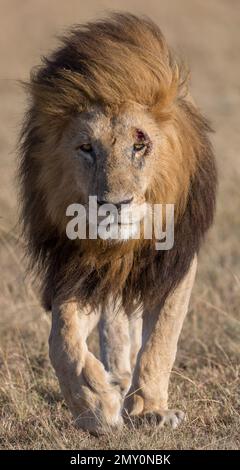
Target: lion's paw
(160, 418)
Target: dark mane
(93, 65)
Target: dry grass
(205, 380)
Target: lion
(111, 116)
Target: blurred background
(205, 380)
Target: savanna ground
(205, 380)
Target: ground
(205, 380)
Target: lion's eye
(85, 148)
(138, 147)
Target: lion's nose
(116, 204)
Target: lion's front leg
(86, 385)
(148, 398)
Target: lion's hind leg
(115, 346)
(135, 329)
(120, 341)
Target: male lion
(111, 116)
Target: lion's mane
(118, 60)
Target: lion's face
(123, 157)
(113, 158)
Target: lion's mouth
(119, 225)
